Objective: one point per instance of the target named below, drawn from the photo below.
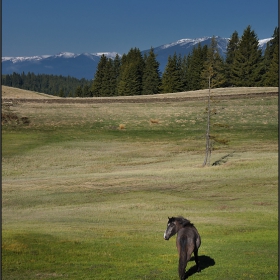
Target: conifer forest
(244, 65)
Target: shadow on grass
(205, 262)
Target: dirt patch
(10, 118)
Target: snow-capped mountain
(184, 47)
(65, 63)
(84, 65)
(263, 42)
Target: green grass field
(87, 189)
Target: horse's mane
(184, 222)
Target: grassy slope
(83, 199)
(11, 92)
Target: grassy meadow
(87, 188)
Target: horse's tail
(197, 238)
(198, 241)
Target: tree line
(243, 65)
(49, 84)
(136, 74)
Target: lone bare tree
(213, 74)
(207, 136)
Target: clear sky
(39, 27)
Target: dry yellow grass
(11, 92)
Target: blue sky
(38, 27)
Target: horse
(188, 241)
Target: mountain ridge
(84, 65)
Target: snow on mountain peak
(84, 65)
(59, 55)
(66, 55)
(264, 42)
(107, 54)
(25, 58)
(182, 42)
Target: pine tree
(98, 77)
(266, 63)
(187, 75)
(151, 74)
(61, 93)
(16, 80)
(86, 91)
(231, 50)
(247, 67)
(171, 78)
(170, 69)
(116, 73)
(45, 83)
(273, 43)
(195, 66)
(272, 75)
(271, 61)
(213, 68)
(181, 80)
(6, 80)
(79, 92)
(107, 88)
(131, 73)
(184, 72)
(123, 86)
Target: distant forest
(134, 74)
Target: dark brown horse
(187, 242)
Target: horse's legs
(182, 265)
(196, 260)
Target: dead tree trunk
(207, 136)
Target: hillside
(16, 93)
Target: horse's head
(171, 228)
